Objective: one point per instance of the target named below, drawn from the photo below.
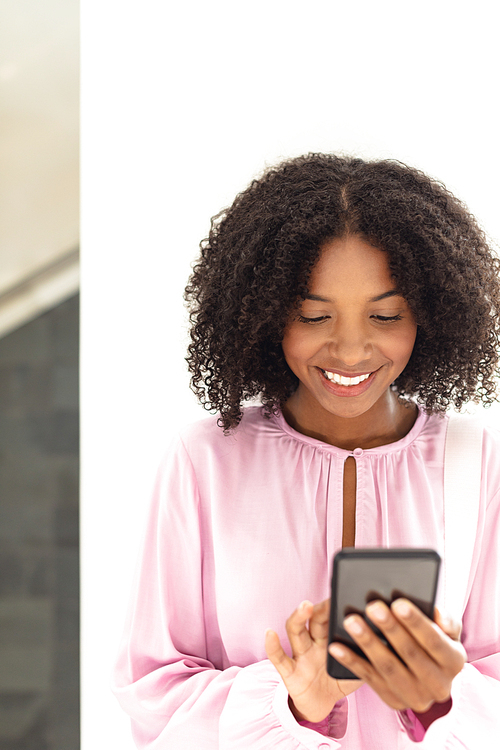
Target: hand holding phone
(362, 575)
(432, 652)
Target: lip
(347, 390)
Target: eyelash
(311, 320)
(389, 319)
(380, 318)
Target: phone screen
(363, 575)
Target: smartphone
(361, 575)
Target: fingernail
(353, 625)
(377, 611)
(402, 608)
(337, 651)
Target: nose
(350, 343)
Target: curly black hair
(255, 264)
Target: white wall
(183, 103)
(39, 69)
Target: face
(353, 336)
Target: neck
(387, 421)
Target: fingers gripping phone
(361, 575)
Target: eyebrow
(390, 293)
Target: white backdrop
(182, 104)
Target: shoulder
(214, 465)
(435, 427)
(489, 425)
(205, 436)
(491, 455)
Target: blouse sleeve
(163, 679)
(474, 718)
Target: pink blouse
(242, 529)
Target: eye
(387, 319)
(302, 319)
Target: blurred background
(39, 336)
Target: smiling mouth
(334, 377)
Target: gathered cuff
(257, 714)
(335, 724)
(412, 725)
(416, 725)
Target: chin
(351, 407)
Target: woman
(358, 301)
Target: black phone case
(387, 572)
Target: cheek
(296, 346)
(403, 346)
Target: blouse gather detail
(242, 529)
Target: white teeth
(336, 378)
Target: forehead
(350, 266)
